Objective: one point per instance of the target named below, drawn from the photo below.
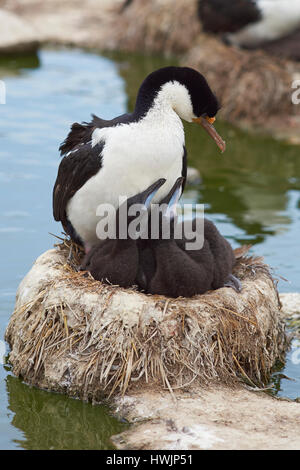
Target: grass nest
(72, 334)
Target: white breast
(135, 156)
(280, 17)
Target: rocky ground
(218, 418)
(72, 22)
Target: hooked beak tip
(207, 124)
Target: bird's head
(186, 91)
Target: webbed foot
(233, 282)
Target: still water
(251, 193)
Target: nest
(166, 26)
(72, 334)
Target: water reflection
(16, 64)
(53, 421)
(250, 184)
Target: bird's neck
(159, 112)
(164, 117)
(171, 101)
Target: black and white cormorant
(105, 159)
(273, 25)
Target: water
(41, 420)
(251, 192)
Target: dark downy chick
(116, 260)
(165, 268)
(224, 258)
(222, 254)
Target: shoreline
(210, 418)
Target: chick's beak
(207, 124)
(150, 192)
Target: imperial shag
(105, 159)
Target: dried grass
(72, 334)
(166, 26)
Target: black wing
(184, 167)
(74, 171)
(82, 133)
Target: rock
(16, 34)
(290, 303)
(213, 418)
(70, 22)
(193, 176)
(291, 311)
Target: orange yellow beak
(210, 120)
